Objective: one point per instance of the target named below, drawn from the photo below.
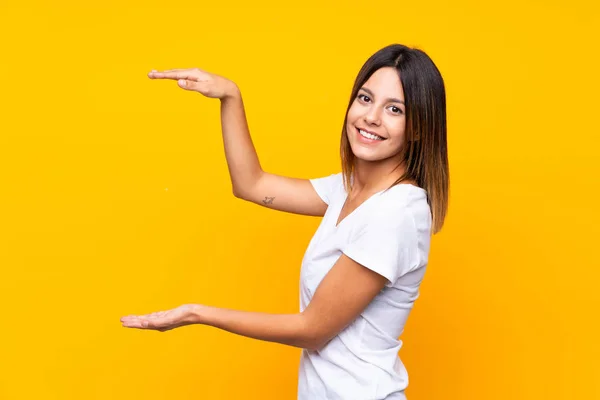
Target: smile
(369, 135)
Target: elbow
(314, 339)
(245, 188)
(316, 345)
(243, 193)
(311, 344)
(238, 193)
(314, 335)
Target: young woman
(362, 269)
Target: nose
(373, 116)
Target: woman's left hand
(161, 320)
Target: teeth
(369, 136)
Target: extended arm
(249, 181)
(342, 295)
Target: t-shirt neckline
(376, 194)
(338, 224)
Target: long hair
(425, 151)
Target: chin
(366, 155)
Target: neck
(371, 177)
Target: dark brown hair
(425, 151)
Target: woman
(361, 272)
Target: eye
(396, 110)
(363, 97)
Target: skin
(378, 108)
(348, 287)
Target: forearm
(242, 159)
(289, 329)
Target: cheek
(353, 113)
(397, 127)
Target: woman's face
(378, 109)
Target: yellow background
(115, 196)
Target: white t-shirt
(390, 234)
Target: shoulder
(404, 207)
(327, 180)
(328, 186)
(404, 198)
(387, 237)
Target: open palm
(161, 320)
(197, 80)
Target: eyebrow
(392, 99)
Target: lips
(372, 133)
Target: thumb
(189, 84)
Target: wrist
(196, 314)
(233, 92)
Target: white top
(390, 234)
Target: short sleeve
(385, 243)
(326, 186)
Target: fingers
(150, 321)
(187, 84)
(135, 322)
(196, 86)
(159, 320)
(188, 74)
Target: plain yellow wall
(115, 196)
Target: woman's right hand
(197, 80)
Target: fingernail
(182, 82)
